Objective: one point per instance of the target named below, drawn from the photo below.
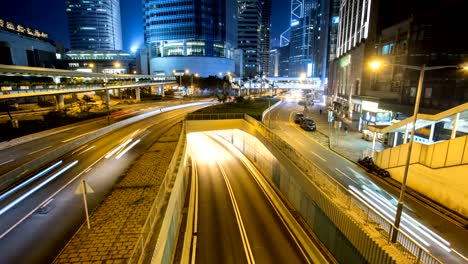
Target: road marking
(347, 176)
(86, 150)
(39, 150)
(88, 169)
(240, 224)
(50, 197)
(31, 179)
(8, 161)
(47, 203)
(33, 190)
(70, 139)
(324, 160)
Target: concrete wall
(438, 171)
(340, 229)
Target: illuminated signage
(22, 30)
(370, 106)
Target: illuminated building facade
(250, 41)
(24, 46)
(198, 35)
(94, 24)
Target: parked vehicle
(298, 117)
(308, 124)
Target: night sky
(50, 17)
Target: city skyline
(32, 14)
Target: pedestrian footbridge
(439, 158)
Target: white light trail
(19, 186)
(127, 149)
(118, 148)
(33, 190)
(406, 219)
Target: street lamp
(375, 65)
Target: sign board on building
(22, 30)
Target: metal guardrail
(214, 116)
(332, 188)
(164, 248)
(8, 94)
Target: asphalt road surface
(444, 239)
(37, 220)
(236, 222)
(15, 156)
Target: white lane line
(355, 172)
(318, 156)
(88, 169)
(240, 224)
(70, 139)
(8, 161)
(344, 174)
(47, 203)
(30, 153)
(90, 148)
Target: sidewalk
(349, 144)
(117, 222)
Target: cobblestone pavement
(117, 222)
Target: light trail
(118, 148)
(19, 186)
(127, 149)
(33, 190)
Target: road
(15, 156)
(37, 220)
(236, 222)
(444, 239)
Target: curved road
(444, 239)
(37, 220)
(236, 222)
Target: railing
(439, 155)
(164, 248)
(215, 116)
(16, 91)
(347, 200)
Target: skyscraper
(199, 36)
(304, 38)
(249, 29)
(94, 24)
(265, 36)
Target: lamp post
(422, 69)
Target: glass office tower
(94, 24)
(195, 35)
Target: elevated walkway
(439, 158)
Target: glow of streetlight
(117, 64)
(375, 65)
(187, 71)
(91, 65)
(197, 75)
(302, 75)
